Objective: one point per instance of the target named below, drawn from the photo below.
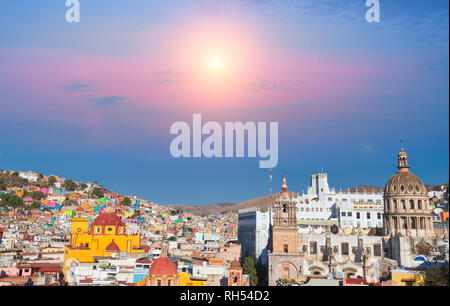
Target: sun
(216, 63)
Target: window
(313, 247)
(284, 208)
(388, 206)
(378, 215)
(285, 248)
(413, 223)
(358, 215)
(344, 248)
(395, 204)
(98, 229)
(159, 282)
(377, 249)
(343, 214)
(403, 204)
(349, 214)
(368, 215)
(419, 204)
(411, 204)
(169, 282)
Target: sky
(94, 100)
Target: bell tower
(284, 231)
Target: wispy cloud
(110, 101)
(264, 84)
(168, 77)
(76, 86)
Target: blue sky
(92, 102)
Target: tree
(125, 201)
(51, 180)
(250, 270)
(83, 186)
(437, 276)
(10, 200)
(70, 185)
(261, 271)
(97, 193)
(15, 173)
(37, 195)
(172, 238)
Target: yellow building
(105, 237)
(407, 278)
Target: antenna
(402, 144)
(270, 181)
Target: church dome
(112, 247)
(108, 219)
(163, 266)
(404, 182)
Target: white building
(31, 176)
(323, 203)
(253, 233)
(361, 214)
(319, 208)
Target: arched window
(403, 204)
(395, 204)
(419, 204)
(411, 204)
(413, 223)
(388, 206)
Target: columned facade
(407, 212)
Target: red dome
(108, 219)
(112, 247)
(163, 266)
(235, 265)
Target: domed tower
(163, 271)
(406, 208)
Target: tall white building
(253, 233)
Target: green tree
(437, 276)
(125, 201)
(15, 173)
(70, 185)
(83, 186)
(97, 193)
(37, 195)
(250, 270)
(51, 180)
(10, 200)
(261, 271)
